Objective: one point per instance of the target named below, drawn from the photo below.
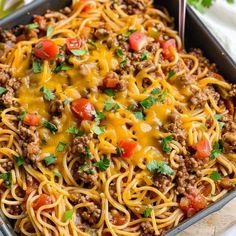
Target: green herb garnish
(37, 67)
(102, 164)
(139, 115)
(2, 90)
(19, 160)
(155, 91)
(110, 92)
(160, 167)
(61, 146)
(127, 34)
(171, 74)
(47, 94)
(79, 52)
(98, 130)
(120, 151)
(215, 176)
(111, 105)
(92, 43)
(50, 126)
(7, 177)
(50, 160)
(68, 214)
(148, 102)
(144, 56)
(74, 130)
(32, 26)
(98, 116)
(124, 62)
(22, 115)
(218, 147)
(119, 53)
(49, 31)
(62, 67)
(147, 212)
(165, 144)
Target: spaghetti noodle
(108, 126)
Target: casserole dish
(197, 36)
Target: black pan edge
(197, 35)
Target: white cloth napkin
(221, 20)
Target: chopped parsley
(110, 92)
(19, 160)
(32, 26)
(102, 164)
(92, 43)
(87, 152)
(215, 176)
(119, 53)
(50, 160)
(50, 126)
(165, 144)
(221, 124)
(68, 214)
(74, 130)
(84, 167)
(144, 56)
(61, 146)
(139, 115)
(218, 147)
(98, 130)
(47, 94)
(111, 105)
(49, 31)
(98, 115)
(171, 74)
(58, 55)
(62, 67)
(160, 167)
(7, 177)
(120, 151)
(79, 52)
(155, 91)
(148, 102)
(22, 115)
(37, 67)
(147, 212)
(2, 90)
(127, 34)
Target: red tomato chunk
(31, 119)
(46, 49)
(137, 41)
(203, 149)
(73, 43)
(43, 200)
(83, 109)
(128, 148)
(168, 47)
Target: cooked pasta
(108, 126)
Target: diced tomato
(46, 49)
(83, 109)
(168, 47)
(110, 82)
(73, 43)
(203, 149)
(87, 8)
(137, 41)
(226, 183)
(31, 119)
(128, 148)
(192, 203)
(118, 219)
(43, 200)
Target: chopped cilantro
(58, 55)
(50, 160)
(218, 116)
(147, 212)
(160, 167)
(22, 115)
(62, 67)
(50, 126)
(171, 74)
(37, 67)
(98, 115)
(102, 164)
(139, 115)
(148, 102)
(79, 52)
(127, 34)
(119, 53)
(221, 124)
(111, 105)
(84, 167)
(162, 97)
(218, 147)
(92, 43)
(165, 144)
(124, 62)
(215, 176)
(144, 56)
(7, 177)
(120, 151)
(19, 160)
(2, 90)
(110, 92)
(98, 130)
(87, 152)
(68, 214)
(155, 91)
(32, 26)
(49, 31)
(57, 173)
(74, 130)
(47, 94)
(61, 146)
(66, 101)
